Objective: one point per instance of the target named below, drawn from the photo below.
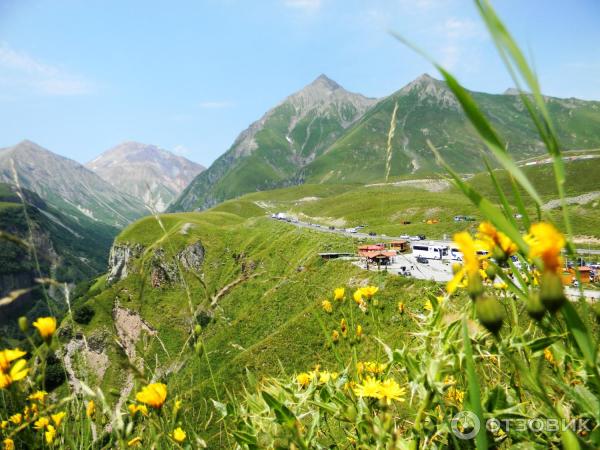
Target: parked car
(404, 236)
(422, 260)
(331, 227)
(421, 236)
(414, 238)
(372, 233)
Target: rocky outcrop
(192, 257)
(164, 270)
(119, 260)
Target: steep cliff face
(164, 270)
(120, 259)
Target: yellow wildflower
(9, 444)
(359, 330)
(38, 396)
(335, 336)
(344, 327)
(3, 424)
(401, 307)
(390, 390)
(50, 434)
(135, 442)
(338, 294)
(179, 435)
(325, 376)
(357, 296)
(501, 285)
(58, 418)
(41, 423)
(16, 418)
(304, 379)
(134, 409)
(428, 306)
(546, 242)
(17, 372)
(46, 326)
(369, 291)
(370, 387)
(496, 241)
(8, 356)
(90, 409)
(326, 305)
(153, 395)
(470, 267)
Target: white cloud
(23, 70)
(216, 104)
(308, 6)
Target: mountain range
(146, 172)
(272, 150)
(325, 134)
(67, 185)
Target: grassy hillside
(268, 324)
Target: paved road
(434, 270)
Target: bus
(430, 251)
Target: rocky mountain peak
(147, 172)
(431, 89)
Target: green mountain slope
(344, 144)
(272, 150)
(427, 110)
(65, 250)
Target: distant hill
(66, 251)
(274, 148)
(269, 153)
(68, 186)
(146, 172)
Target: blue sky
(80, 76)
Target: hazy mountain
(270, 152)
(68, 186)
(146, 172)
(427, 109)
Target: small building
(400, 246)
(379, 257)
(362, 249)
(570, 275)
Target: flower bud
(535, 308)
(490, 313)
(475, 285)
(23, 324)
(499, 255)
(551, 291)
(491, 271)
(199, 348)
(197, 330)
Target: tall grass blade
(481, 441)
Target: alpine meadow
(419, 270)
